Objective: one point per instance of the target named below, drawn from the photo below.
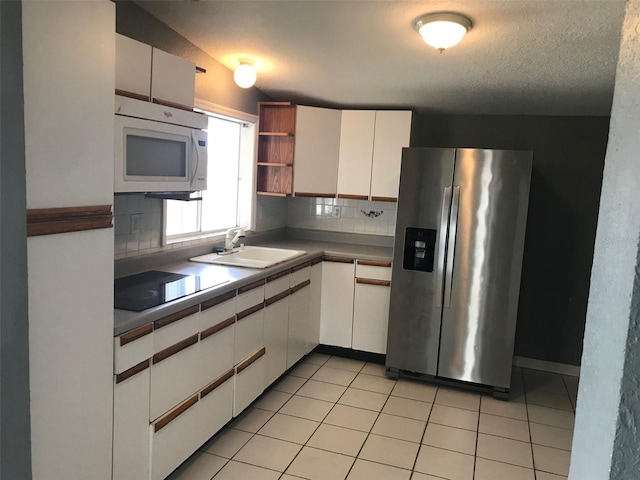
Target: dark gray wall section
(568, 160)
(15, 438)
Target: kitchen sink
(250, 257)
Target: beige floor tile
(450, 438)
(490, 470)
(251, 420)
(314, 464)
(305, 407)
(504, 427)
(316, 359)
(454, 417)
(415, 390)
(338, 440)
(390, 451)
(551, 416)
(548, 382)
(363, 399)
(502, 408)
(227, 442)
(345, 364)
(504, 450)
(289, 384)
(406, 407)
(552, 460)
(268, 453)
(199, 467)
(351, 417)
(458, 399)
(374, 369)
(291, 429)
(272, 400)
(365, 470)
(286, 476)
(399, 427)
(548, 476)
(334, 375)
(304, 370)
(445, 463)
(236, 470)
(373, 383)
(551, 436)
(549, 400)
(423, 476)
(322, 391)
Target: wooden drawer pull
(218, 300)
(171, 416)
(278, 275)
(216, 383)
(300, 286)
(216, 328)
(251, 286)
(302, 266)
(241, 366)
(130, 372)
(370, 281)
(316, 261)
(168, 320)
(329, 258)
(353, 197)
(250, 311)
(277, 298)
(384, 199)
(135, 334)
(375, 263)
(173, 349)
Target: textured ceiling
(532, 57)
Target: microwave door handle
(194, 141)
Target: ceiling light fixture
(442, 30)
(244, 74)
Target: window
(228, 200)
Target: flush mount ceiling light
(442, 30)
(244, 74)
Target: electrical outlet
(336, 212)
(136, 223)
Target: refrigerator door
(418, 260)
(482, 279)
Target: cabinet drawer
(371, 317)
(217, 310)
(216, 407)
(133, 347)
(250, 295)
(276, 321)
(249, 381)
(277, 285)
(300, 274)
(216, 350)
(248, 335)
(373, 269)
(174, 328)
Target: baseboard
(545, 366)
(351, 353)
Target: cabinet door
(356, 151)
(298, 321)
(392, 133)
(249, 381)
(133, 66)
(371, 315)
(313, 331)
(133, 347)
(316, 151)
(249, 333)
(336, 310)
(276, 324)
(172, 79)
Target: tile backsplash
(132, 209)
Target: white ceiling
(534, 57)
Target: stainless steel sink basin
(250, 257)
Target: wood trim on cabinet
(315, 195)
(243, 365)
(174, 317)
(130, 372)
(137, 96)
(352, 197)
(329, 258)
(300, 286)
(302, 266)
(216, 328)
(375, 263)
(49, 221)
(135, 334)
(251, 286)
(173, 349)
(371, 281)
(284, 104)
(316, 261)
(217, 300)
(216, 383)
(167, 103)
(171, 416)
(384, 199)
(276, 276)
(272, 194)
(277, 298)
(249, 311)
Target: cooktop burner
(150, 289)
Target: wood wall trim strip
(218, 300)
(216, 383)
(353, 197)
(49, 221)
(300, 286)
(137, 96)
(174, 317)
(329, 258)
(243, 365)
(278, 275)
(315, 195)
(302, 266)
(171, 416)
(173, 349)
(167, 103)
(135, 334)
(384, 199)
(251, 286)
(375, 263)
(249, 311)
(216, 328)
(277, 298)
(130, 372)
(370, 281)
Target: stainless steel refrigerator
(456, 264)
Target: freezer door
(418, 259)
(482, 279)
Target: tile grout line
(533, 461)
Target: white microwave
(158, 148)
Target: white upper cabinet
(392, 133)
(316, 151)
(356, 151)
(133, 66)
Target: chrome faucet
(233, 237)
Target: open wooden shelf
(276, 145)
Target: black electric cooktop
(150, 289)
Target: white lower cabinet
(276, 323)
(315, 293)
(249, 381)
(298, 319)
(217, 334)
(371, 315)
(337, 301)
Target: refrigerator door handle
(442, 242)
(451, 248)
